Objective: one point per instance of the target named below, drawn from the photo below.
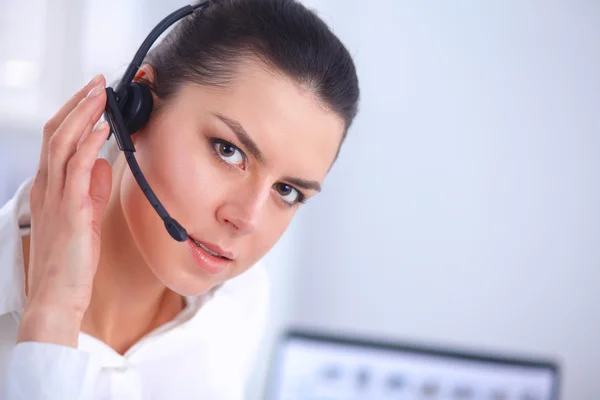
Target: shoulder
(239, 305)
(8, 339)
(248, 283)
(243, 308)
(249, 291)
(14, 213)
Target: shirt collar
(12, 279)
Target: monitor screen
(316, 367)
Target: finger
(63, 144)
(79, 167)
(86, 132)
(100, 188)
(53, 123)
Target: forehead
(298, 135)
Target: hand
(68, 199)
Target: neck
(128, 301)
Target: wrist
(49, 325)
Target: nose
(243, 210)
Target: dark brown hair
(207, 47)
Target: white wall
(465, 207)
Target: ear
(146, 72)
(138, 110)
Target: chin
(189, 288)
(181, 275)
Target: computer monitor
(309, 366)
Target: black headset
(128, 108)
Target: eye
(228, 152)
(289, 194)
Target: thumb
(100, 188)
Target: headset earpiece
(137, 106)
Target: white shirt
(206, 352)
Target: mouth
(209, 257)
(213, 250)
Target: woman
(252, 100)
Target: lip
(206, 261)
(215, 248)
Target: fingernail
(95, 91)
(95, 79)
(101, 126)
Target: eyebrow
(251, 146)
(304, 184)
(243, 137)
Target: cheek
(181, 175)
(186, 196)
(146, 228)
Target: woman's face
(232, 166)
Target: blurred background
(464, 209)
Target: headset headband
(151, 38)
